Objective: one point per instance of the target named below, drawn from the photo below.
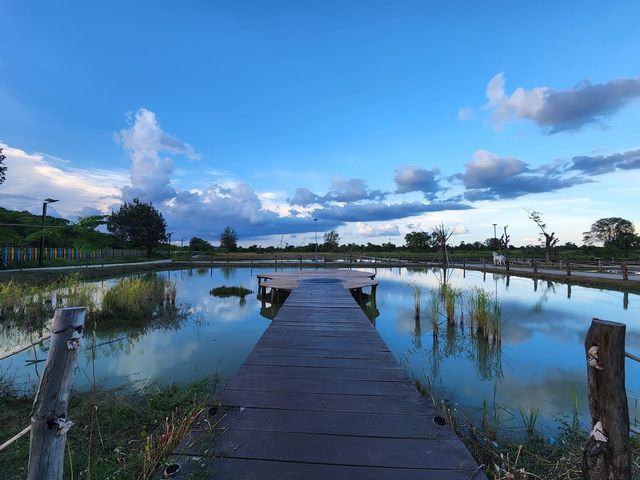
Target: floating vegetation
(225, 291)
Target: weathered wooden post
(606, 453)
(535, 265)
(625, 271)
(49, 416)
(484, 263)
(568, 268)
(599, 266)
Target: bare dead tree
(504, 241)
(442, 235)
(550, 240)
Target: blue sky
(377, 118)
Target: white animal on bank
(498, 258)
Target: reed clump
(134, 299)
(450, 297)
(25, 303)
(435, 312)
(417, 296)
(485, 312)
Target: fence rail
(15, 256)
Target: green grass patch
(225, 291)
(116, 434)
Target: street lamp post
(170, 233)
(494, 231)
(315, 222)
(44, 214)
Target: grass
(505, 453)
(130, 301)
(435, 312)
(225, 291)
(134, 299)
(450, 297)
(485, 312)
(132, 432)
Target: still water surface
(540, 364)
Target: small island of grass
(225, 291)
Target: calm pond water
(539, 365)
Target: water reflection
(536, 364)
(540, 358)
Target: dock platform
(321, 397)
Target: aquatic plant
(529, 419)
(234, 291)
(417, 295)
(485, 312)
(450, 297)
(435, 312)
(133, 299)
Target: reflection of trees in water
(228, 272)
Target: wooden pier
(321, 397)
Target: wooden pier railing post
(49, 417)
(606, 453)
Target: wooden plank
(342, 450)
(325, 352)
(258, 359)
(321, 402)
(381, 375)
(247, 469)
(311, 385)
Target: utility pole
(44, 214)
(315, 222)
(170, 233)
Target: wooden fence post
(49, 416)
(606, 453)
(625, 271)
(568, 268)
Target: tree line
(137, 224)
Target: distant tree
(3, 168)
(84, 230)
(200, 245)
(229, 239)
(138, 224)
(550, 240)
(610, 231)
(493, 244)
(331, 241)
(417, 241)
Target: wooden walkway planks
(321, 396)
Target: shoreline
(94, 272)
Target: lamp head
(50, 200)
